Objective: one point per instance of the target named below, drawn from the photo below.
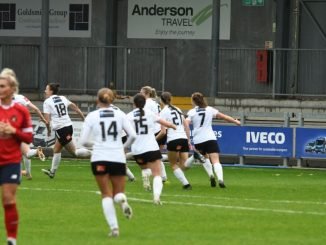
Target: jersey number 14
(112, 130)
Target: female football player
(55, 109)
(105, 126)
(15, 128)
(204, 139)
(145, 149)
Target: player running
(201, 117)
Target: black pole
(215, 46)
(111, 40)
(43, 65)
(282, 42)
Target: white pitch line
(287, 211)
(241, 199)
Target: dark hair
(166, 99)
(54, 87)
(199, 100)
(140, 101)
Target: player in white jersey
(55, 109)
(178, 141)
(105, 126)
(124, 137)
(25, 148)
(145, 149)
(204, 139)
(159, 132)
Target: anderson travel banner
(176, 19)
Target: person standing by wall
(15, 128)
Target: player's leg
(108, 204)
(117, 177)
(56, 159)
(9, 186)
(178, 173)
(157, 180)
(217, 166)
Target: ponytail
(166, 99)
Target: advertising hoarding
(176, 19)
(67, 18)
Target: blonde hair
(5, 72)
(8, 71)
(11, 80)
(147, 90)
(153, 93)
(105, 96)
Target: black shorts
(180, 145)
(161, 141)
(124, 139)
(10, 174)
(146, 157)
(111, 168)
(207, 147)
(64, 135)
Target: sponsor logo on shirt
(56, 99)
(13, 119)
(106, 113)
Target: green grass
(259, 206)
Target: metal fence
(284, 73)
(82, 70)
(290, 73)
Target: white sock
(157, 187)
(218, 171)
(120, 197)
(130, 174)
(109, 212)
(163, 171)
(146, 172)
(82, 152)
(208, 167)
(189, 162)
(55, 161)
(31, 153)
(27, 163)
(181, 176)
(164, 157)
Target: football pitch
(259, 206)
